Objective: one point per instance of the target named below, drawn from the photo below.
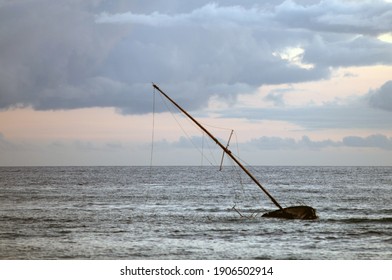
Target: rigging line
(150, 179)
(237, 174)
(236, 142)
(182, 128)
(227, 146)
(171, 108)
(248, 165)
(152, 134)
(217, 127)
(209, 148)
(254, 170)
(211, 151)
(202, 149)
(238, 154)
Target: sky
(300, 82)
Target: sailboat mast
(226, 150)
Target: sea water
(193, 213)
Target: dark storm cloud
(75, 54)
(51, 53)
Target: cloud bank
(382, 98)
(83, 54)
(376, 141)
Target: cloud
(377, 141)
(277, 96)
(365, 17)
(50, 48)
(371, 110)
(279, 143)
(209, 14)
(328, 116)
(382, 97)
(77, 54)
(356, 51)
(325, 16)
(372, 141)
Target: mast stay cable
(228, 152)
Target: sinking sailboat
(302, 212)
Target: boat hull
(294, 212)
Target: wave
(359, 220)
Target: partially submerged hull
(293, 212)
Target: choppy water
(186, 213)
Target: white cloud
(294, 55)
(386, 37)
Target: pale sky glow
(386, 37)
(80, 124)
(294, 56)
(301, 82)
(343, 85)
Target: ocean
(181, 213)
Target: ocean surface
(193, 213)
